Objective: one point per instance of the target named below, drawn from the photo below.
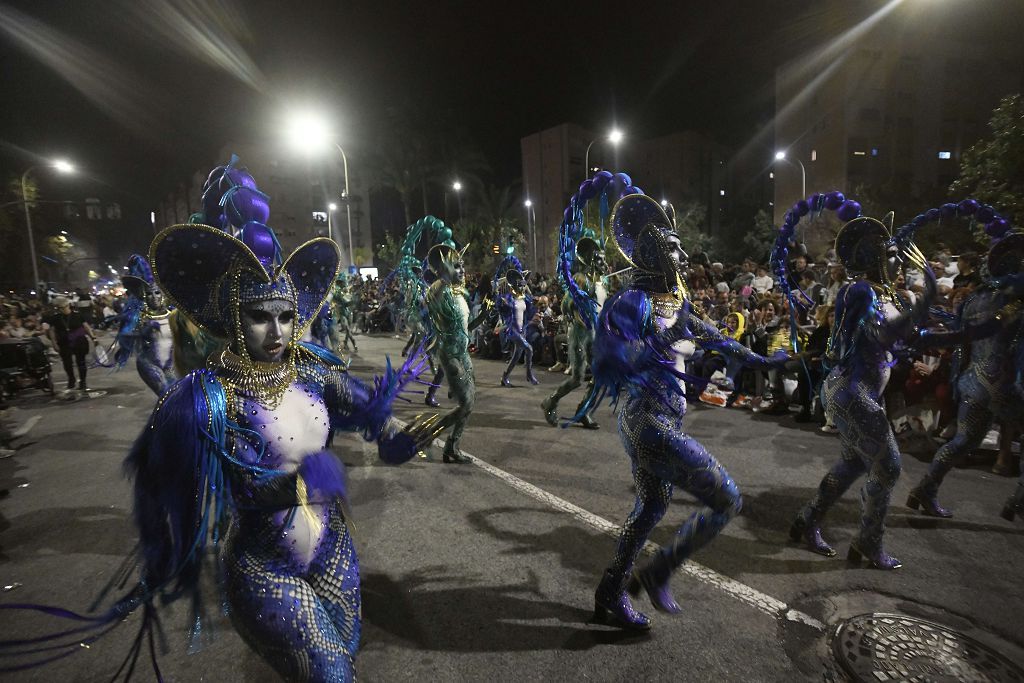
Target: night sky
(134, 92)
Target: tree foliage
(992, 170)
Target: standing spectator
(745, 278)
(70, 335)
(698, 257)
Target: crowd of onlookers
(744, 302)
(741, 299)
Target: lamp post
(62, 167)
(531, 228)
(331, 208)
(614, 137)
(310, 133)
(781, 156)
(457, 186)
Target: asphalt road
(487, 571)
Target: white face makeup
(267, 328)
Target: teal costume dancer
(591, 268)
(343, 304)
(448, 310)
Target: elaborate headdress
(442, 256)
(605, 187)
(210, 275)
(642, 229)
(862, 246)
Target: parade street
(485, 571)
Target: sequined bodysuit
(154, 353)
(867, 327)
(639, 348)
(449, 319)
(989, 337)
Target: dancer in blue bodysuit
(515, 306)
(870, 320)
(989, 340)
(644, 334)
(146, 328)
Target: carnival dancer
(449, 318)
(261, 414)
(515, 306)
(416, 318)
(344, 304)
(591, 268)
(870, 320)
(145, 329)
(989, 341)
(243, 441)
(644, 335)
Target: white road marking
(742, 592)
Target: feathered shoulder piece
(630, 354)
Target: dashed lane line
(740, 591)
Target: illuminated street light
(457, 186)
(664, 202)
(528, 203)
(310, 133)
(61, 166)
(614, 137)
(781, 156)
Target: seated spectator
(762, 282)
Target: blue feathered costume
(146, 328)
(515, 306)
(870, 321)
(235, 456)
(644, 334)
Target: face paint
(893, 263)
(155, 300)
(675, 253)
(455, 272)
(267, 328)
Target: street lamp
(614, 137)
(310, 133)
(331, 208)
(531, 228)
(62, 166)
(781, 156)
(457, 186)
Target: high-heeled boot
(431, 397)
(550, 408)
(653, 578)
(530, 377)
(926, 496)
(874, 554)
(1014, 504)
(807, 528)
(613, 608)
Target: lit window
(945, 155)
(721, 193)
(859, 154)
(771, 175)
(814, 155)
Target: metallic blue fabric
(634, 360)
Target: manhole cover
(893, 647)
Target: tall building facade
(301, 191)
(680, 167)
(890, 108)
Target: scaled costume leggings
(973, 419)
(867, 445)
(305, 622)
(461, 387)
(157, 378)
(579, 361)
(662, 457)
(520, 348)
